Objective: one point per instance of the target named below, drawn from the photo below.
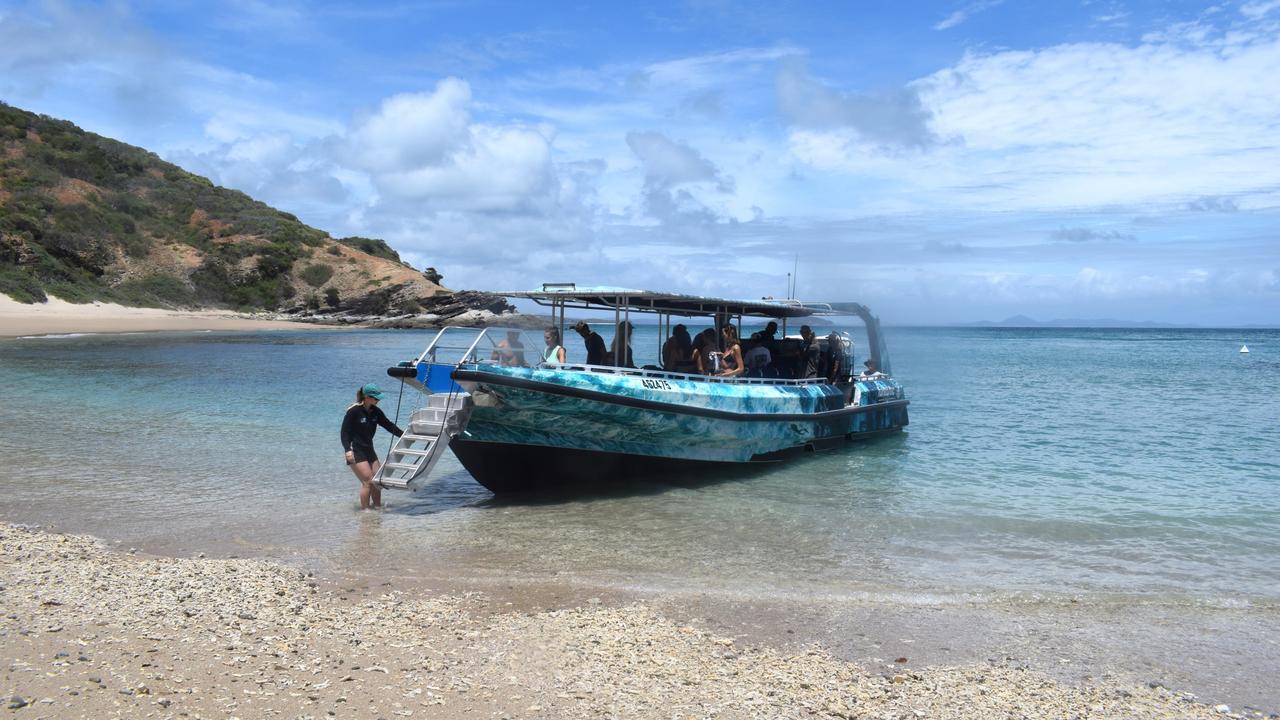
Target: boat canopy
(559, 296)
(601, 296)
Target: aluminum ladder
(430, 430)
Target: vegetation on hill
(84, 217)
(376, 248)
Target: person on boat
(553, 353)
(810, 357)
(835, 357)
(593, 341)
(706, 356)
(358, 426)
(757, 359)
(677, 352)
(731, 362)
(622, 358)
(509, 352)
(768, 334)
(872, 370)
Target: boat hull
(531, 429)
(512, 468)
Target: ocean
(1120, 465)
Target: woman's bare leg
(375, 490)
(364, 473)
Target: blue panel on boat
(872, 391)
(437, 377)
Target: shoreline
(58, 317)
(92, 631)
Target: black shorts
(364, 454)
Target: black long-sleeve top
(595, 348)
(359, 425)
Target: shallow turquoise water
(1038, 462)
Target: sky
(938, 161)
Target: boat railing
(455, 345)
(671, 375)
(464, 346)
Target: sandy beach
(93, 632)
(58, 317)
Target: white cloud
(1259, 9)
(1083, 125)
(1082, 234)
(670, 168)
(423, 154)
(668, 163)
(496, 169)
(894, 118)
(413, 130)
(712, 70)
(966, 12)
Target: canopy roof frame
(567, 295)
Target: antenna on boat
(795, 268)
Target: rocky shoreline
(467, 308)
(93, 632)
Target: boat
(518, 425)
(1244, 348)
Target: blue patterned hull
(534, 427)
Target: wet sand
(89, 631)
(57, 317)
(1218, 655)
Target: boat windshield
(502, 346)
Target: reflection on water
(1037, 461)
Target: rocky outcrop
(379, 309)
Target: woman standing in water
(358, 426)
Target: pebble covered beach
(89, 631)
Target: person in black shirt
(706, 355)
(834, 358)
(769, 333)
(593, 341)
(809, 353)
(358, 426)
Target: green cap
(372, 391)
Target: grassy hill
(85, 217)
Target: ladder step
(399, 466)
(417, 453)
(393, 483)
(418, 438)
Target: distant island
(1022, 321)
